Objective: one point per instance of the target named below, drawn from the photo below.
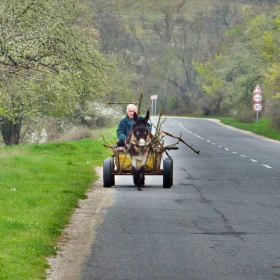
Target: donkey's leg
(138, 174)
(141, 177)
(134, 175)
(143, 180)
(142, 171)
(134, 171)
(136, 179)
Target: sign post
(154, 97)
(257, 98)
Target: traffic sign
(257, 97)
(257, 89)
(153, 97)
(257, 107)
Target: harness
(138, 146)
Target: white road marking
(226, 149)
(267, 166)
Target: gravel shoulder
(78, 237)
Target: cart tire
(108, 177)
(167, 172)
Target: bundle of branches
(158, 140)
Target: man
(126, 125)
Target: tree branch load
(158, 141)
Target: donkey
(139, 148)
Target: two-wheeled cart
(120, 164)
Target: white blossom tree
(49, 61)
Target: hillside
(154, 8)
(167, 44)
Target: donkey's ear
(135, 117)
(147, 115)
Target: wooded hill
(62, 59)
(199, 57)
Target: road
(220, 219)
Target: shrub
(76, 133)
(246, 115)
(45, 129)
(97, 115)
(50, 129)
(274, 114)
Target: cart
(120, 164)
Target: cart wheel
(108, 177)
(167, 172)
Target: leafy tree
(49, 63)
(212, 85)
(265, 29)
(238, 67)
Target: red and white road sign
(257, 97)
(153, 97)
(257, 89)
(257, 107)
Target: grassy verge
(40, 186)
(263, 127)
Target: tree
(239, 66)
(49, 62)
(265, 28)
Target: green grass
(40, 187)
(262, 127)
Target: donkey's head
(140, 131)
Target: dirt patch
(79, 235)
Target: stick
(181, 140)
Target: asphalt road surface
(219, 220)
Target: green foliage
(40, 187)
(164, 42)
(189, 53)
(270, 51)
(246, 58)
(49, 59)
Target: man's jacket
(125, 127)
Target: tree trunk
(10, 131)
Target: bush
(206, 106)
(51, 129)
(274, 114)
(76, 133)
(97, 115)
(45, 129)
(246, 115)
